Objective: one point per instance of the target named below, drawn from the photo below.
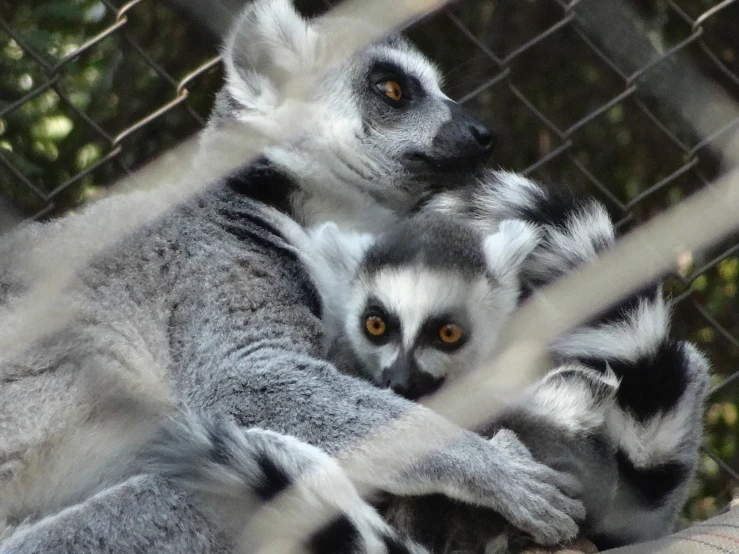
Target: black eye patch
(391, 323)
(383, 72)
(430, 332)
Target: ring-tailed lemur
(207, 307)
(663, 382)
(424, 302)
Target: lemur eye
(450, 333)
(392, 90)
(375, 325)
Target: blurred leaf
(730, 414)
(62, 11)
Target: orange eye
(450, 333)
(393, 90)
(375, 326)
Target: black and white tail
(313, 505)
(662, 381)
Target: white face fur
(377, 129)
(412, 323)
(435, 325)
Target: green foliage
(69, 116)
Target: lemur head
(377, 122)
(421, 303)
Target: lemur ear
(339, 251)
(508, 248)
(332, 259)
(269, 43)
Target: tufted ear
(269, 43)
(332, 257)
(507, 249)
(338, 252)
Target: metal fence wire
(600, 94)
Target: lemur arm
(663, 381)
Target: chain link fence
(104, 82)
(602, 95)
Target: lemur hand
(501, 474)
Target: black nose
(461, 142)
(410, 384)
(484, 137)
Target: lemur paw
(533, 497)
(500, 474)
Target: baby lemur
(656, 424)
(424, 302)
(653, 429)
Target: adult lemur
(207, 308)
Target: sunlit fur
(356, 161)
(206, 307)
